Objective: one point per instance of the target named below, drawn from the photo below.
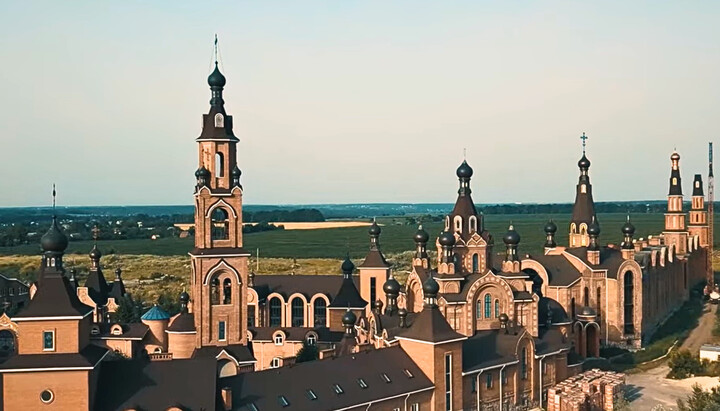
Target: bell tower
(698, 215)
(219, 263)
(584, 207)
(675, 232)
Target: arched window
(488, 306)
(497, 308)
(523, 363)
(473, 224)
(572, 308)
(599, 299)
(447, 223)
(220, 224)
(275, 312)
(227, 291)
(458, 223)
(573, 227)
(586, 297)
(219, 120)
(297, 309)
(475, 263)
(629, 307)
(7, 343)
(320, 311)
(478, 309)
(215, 291)
(219, 165)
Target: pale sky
(356, 101)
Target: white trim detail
(432, 343)
(216, 205)
(385, 399)
(219, 266)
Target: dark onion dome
(628, 228)
(421, 236)
(464, 171)
(587, 311)
(378, 305)
(216, 78)
(374, 229)
(675, 156)
(511, 237)
(184, 297)
(95, 253)
(347, 266)
(391, 287)
(447, 239)
(236, 173)
(594, 228)
(503, 318)
(402, 312)
(202, 172)
(430, 288)
(550, 227)
(54, 240)
(584, 162)
(349, 319)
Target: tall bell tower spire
(584, 207)
(675, 231)
(219, 263)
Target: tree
(701, 400)
(683, 364)
(308, 352)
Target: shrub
(684, 364)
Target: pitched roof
(548, 305)
(348, 296)
(263, 388)
(307, 285)
(374, 259)
(98, 288)
(131, 330)
(55, 297)
(157, 385)
(561, 273)
(430, 326)
(155, 313)
(488, 348)
(241, 353)
(610, 259)
(117, 290)
(295, 333)
(88, 357)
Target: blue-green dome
(155, 314)
(216, 78)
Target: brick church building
(468, 330)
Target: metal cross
(583, 138)
(95, 231)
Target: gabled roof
(263, 388)
(430, 326)
(561, 272)
(489, 348)
(374, 259)
(183, 322)
(307, 285)
(98, 288)
(241, 353)
(55, 297)
(117, 290)
(87, 358)
(157, 385)
(155, 313)
(129, 331)
(610, 259)
(348, 296)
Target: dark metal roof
(348, 296)
(157, 385)
(183, 322)
(698, 186)
(584, 207)
(610, 259)
(89, 356)
(391, 323)
(296, 333)
(132, 330)
(430, 325)
(374, 259)
(307, 285)
(241, 353)
(55, 297)
(210, 132)
(263, 388)
(558, 313)
(488, 348)
(675, 189)
(561, 273)
(117, 290)
(551, 340)
(98, 288)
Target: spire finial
(95, 231)
(464, 153)
(583, 138)
(216, 50)
(54, 194)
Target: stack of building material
(593, 390)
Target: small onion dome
(628, 228)
(216, 78)
(402, 312)
(587, 314)
(464, 171)
(594, 228)
(503, 318)
(118, 272)
(550, 227)
(584, 162)
(511, 237)
(236, 173)
(378, 305)
(430, 288)
(54, 240)
(95, 253)
(202, 172)
(421, 236)
(374, 229)
(349, 319)
(587, 311)
(447, 239)
(347, 266)
(391, 287)
(675, 156)
(184, 297)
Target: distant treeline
(619, 207)
(309, 215)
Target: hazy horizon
(356, 102)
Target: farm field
(336, 242)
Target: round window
(47, 396)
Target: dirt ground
(650, 389)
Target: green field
(335, 243)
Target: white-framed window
(415, 407)
(311, 339)
(49, 340)
(448, 382)
(47, 396)
(219, 120)
(221, 331)
(275, 362)
(279, 339)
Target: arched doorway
(592, 337)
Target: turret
(698, 224)
(550, 230)
(593, 249)
(675, 233)
(511, 263)
(421, 238)
(374, 270)
(447, 257)
(627, 246)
